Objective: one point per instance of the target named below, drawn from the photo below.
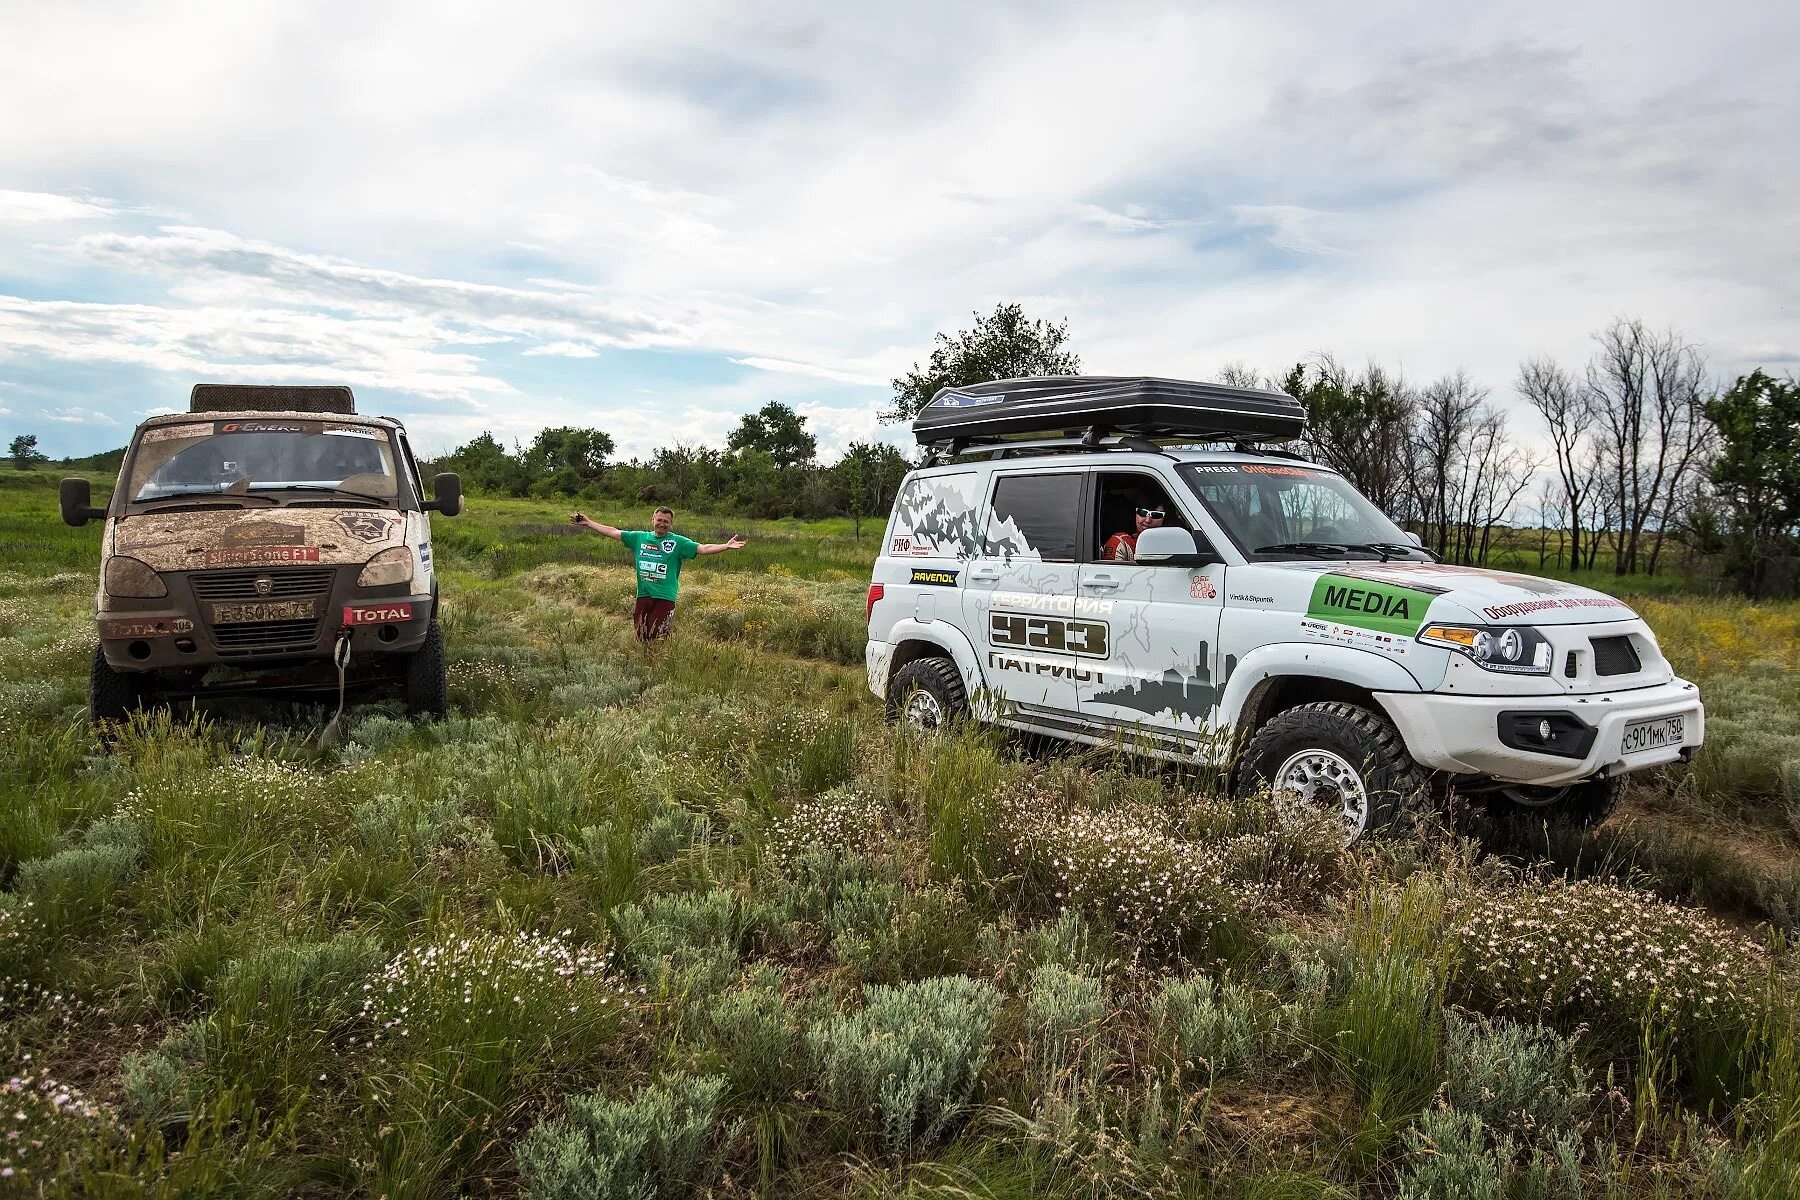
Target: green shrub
(1064, 1011)
(659, 1143)
(167, 1085)
(691, 937)
(912, 1056)
(1453, 1155)
(758, 1037)
(1220, 1025)
(1070, 941)
(1523, 1081)
(72, 889)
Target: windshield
(290, 461)
(1277, 512)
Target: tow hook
(340, 658)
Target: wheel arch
(1272, 679)
(914, 640)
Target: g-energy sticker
(931, 577)
(1368, 605)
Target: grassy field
(702, 923)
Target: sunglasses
(1155, 514)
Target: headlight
(387, 568)
(1514, 649)
(129, 577)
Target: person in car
(658, 553)
(1122, 547)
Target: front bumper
(1461, 734)
(179, 633)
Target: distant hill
(106, 460)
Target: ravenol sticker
(933, 577)
(1366, 604)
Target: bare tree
(1565, 407)
(1646, 388)
(1359, 425)
(1499, 474)
(1447, 411)
(1237, 374)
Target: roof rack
(271, 397)
(1091, 408)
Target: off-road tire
(1582, 806)
(935, 678)
(114, 695)
(427, 691)
(1396, 786)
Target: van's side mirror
(447, 487)
(1414, 538)
(77, 497)
(1167, 546)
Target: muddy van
(269, 541)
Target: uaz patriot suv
(267, 541)
(1260, 614)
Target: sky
(653, 219)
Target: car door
(1162, 677)
(1020, 596)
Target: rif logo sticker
(367, 527)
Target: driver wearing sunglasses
(1122, 547)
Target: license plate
(1659, 734)
(238, 612)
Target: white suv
(1271, 621)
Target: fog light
(138, 650)
(1543, 731)
(388, 633)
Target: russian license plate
(238, 612)
(1659, 734)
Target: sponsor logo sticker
(1201, 588)
(1366, 604)
(259, 427)
(933, 578)
(377, 614)
(901, 545)
(366, 526)
(263, 533)
(156, 627)
(257, 556)
(174, 433)
(1498, 612)
(668, 545)
(964, 400)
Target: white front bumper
(1461, 734)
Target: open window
(1119, 496)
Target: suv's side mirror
(77, 497)
(1414, 538)
(447, 486)
(1167, 546)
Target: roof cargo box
(271, 397)
(1096, 405)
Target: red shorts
(652, 618)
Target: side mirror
(1170, 547)
(447, 486)
(1414, 538)
(77, 497)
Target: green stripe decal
(1368, 605)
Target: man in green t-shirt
(658, 553)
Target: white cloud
(562, 350)
(48, 206)
(814, 369)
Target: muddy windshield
(1279, 512)
(289, 462)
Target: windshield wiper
(1386, 549)
(380, 501)
(1320, 549)
(211, 493)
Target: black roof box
(1058, 405)
(271, 397)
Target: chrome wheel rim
(1323, 782)
(923, 711)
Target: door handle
(986, 574)
(1100, 582)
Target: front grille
(1615, 656)
(241, 585)
(267, 637)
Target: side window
(1035, 517)
(1119, 498)
(412, 469)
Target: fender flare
(955, 643)
(1344, 664)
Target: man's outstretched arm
(597, 527)
(735, 543)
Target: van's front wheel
(427, 688)
(1337, 759)
(114, 695)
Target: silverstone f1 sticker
(259, 556)
(933, 578)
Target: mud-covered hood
(192, 541)
(1451, 592)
